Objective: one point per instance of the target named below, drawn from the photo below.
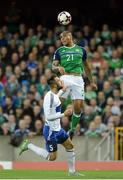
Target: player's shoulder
(59, 49)
(47, 95)
(81, 47)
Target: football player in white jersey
(53, 133)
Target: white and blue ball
(64, 18)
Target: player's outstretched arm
(53, 117)
(49, 110)
(87, 69)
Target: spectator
(27, 108)
(19, 134)
(8, 106)
(4, 129)
(32, 63)
(100, 127)
(88, 116)
(106, 114)
(14, 60)
(110, 101)
(107, 89)
(101, 99)
(33, 79)
(4, 57)
(115, 62)
(3, 41)
(42, 86)
(28, 121)
(21, 53)
(97, 61)
(12, 123)
(89, 94)
(38, 127)
(12, 85)
(37, 112)
(31, 97)
(110, 129)
(91, 132)
(3, 117)
(95, 107)
(105, 34)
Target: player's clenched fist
(61, 70)
(68, 112)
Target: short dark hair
(51, 80)
(65, 33)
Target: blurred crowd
(25, 65)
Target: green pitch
(43, 174)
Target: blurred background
(28, 39)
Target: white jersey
(52, 110)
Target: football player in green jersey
(71, 60)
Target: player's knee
(69, 146)
(70, 149)
(77, 112)
(52, 157)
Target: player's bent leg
(77, 104)
(52, 156)
(24, 146)
(70, 155)
(37, 150)
(68, 145)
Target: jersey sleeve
(60, 93)
(84, 55)
(56, 56)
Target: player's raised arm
(87, 69)
(55, 66)
(56, 63)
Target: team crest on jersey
(63, 50)
(77, 50)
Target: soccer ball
(64, 18)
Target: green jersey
(71, 58)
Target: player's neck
(71, 44)
(54, 90)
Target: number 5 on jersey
(51, 147)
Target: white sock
(39, 151)
(71, 160)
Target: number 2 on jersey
(69, 57)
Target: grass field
(46, 174)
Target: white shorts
(75, 87)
